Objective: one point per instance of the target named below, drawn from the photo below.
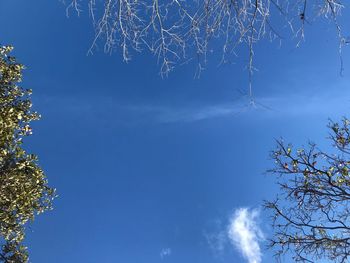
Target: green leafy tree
(311, 216)
(24, 191)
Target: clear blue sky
(142, 164)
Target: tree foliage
(174, 30)
(311, 216)
(24, 191)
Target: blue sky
(150, 169)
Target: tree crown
(24, 191)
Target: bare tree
(311, 216)
(177, 31)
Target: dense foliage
(311, 217)
(24, 191)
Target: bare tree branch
(174, 30)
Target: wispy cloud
(271, 106)
(165, 252)
(245, 234)
(268, 107)
(216, 238)
(216, 241)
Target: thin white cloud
(245, 234)
(321, 103)
(165, 252)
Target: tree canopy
(311, 215)
(24, 191)
(178, 31)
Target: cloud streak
(245, 234)
(113, 109)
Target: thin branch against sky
(177, 31)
